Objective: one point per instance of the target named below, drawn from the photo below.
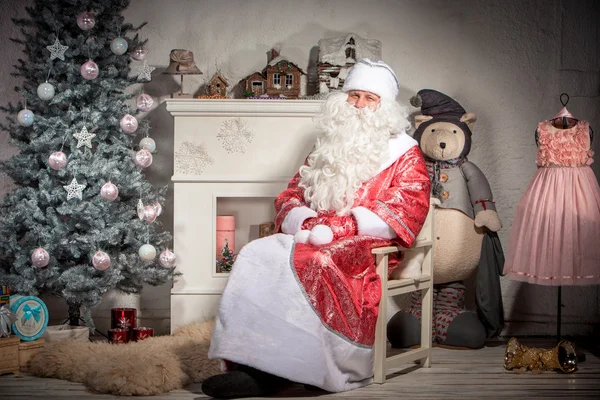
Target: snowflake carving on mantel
(191, 158)
(235, 136)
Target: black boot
(243, 382)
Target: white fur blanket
(266, 322)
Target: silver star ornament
(84, 138)
(74, 189)
(144, 72)
(57, 50)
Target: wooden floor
(454, 374)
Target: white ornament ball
(40, 257)
(139, 53)
(320, 234)
(45, 91)
(149, 214)
(144, 102)
(129, 123)
(57, 160)
(167, 259)
(157, 208)
(119, 46)
(143, 158)
(86, 21)
(25, 117)
(101, 261)
(109, 191)
(89, 70)
(147, 252)
(148, 144)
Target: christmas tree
(82, 218)
(225, 263)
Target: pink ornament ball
(149, 214)
(128, 123)
(86, 21)
(57, 160)
(40, 257)
(167, 259)
(89, 70)
(144, 102)
(109, 191)
(143, 158)
(139, 53)
(101, 261)
(157, 208)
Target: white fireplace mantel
(230, 157)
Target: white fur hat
(372, 76)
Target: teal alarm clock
(32, 317)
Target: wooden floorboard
(464, 374)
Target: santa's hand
(302, 236)
(320, 235)
(489, 219)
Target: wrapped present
(4, 295)
(7, 318)
(9, 355)
(32, 317)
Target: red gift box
(118, 335)
(124, 318)
(142, 333)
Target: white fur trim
(294, 219)
(372, 76)
(266, 322)
(320, 235)
(371, 224)
(302, 236)
(398, 146)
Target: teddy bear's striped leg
(454, 326)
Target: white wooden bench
(396, 287)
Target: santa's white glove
(320, 234)
(489, 219)
(302, 236)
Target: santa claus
(301, 305)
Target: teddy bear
(464, 215)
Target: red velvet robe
(339, 279)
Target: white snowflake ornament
(84, 138)
(235, 135)
(145, 71)
(57, 50)
(191, 158)
(74, 189)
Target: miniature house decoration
(281, 78)
(337, 55)
(217, 86)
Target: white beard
(352, 148)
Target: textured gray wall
(505, 60)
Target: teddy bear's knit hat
(438, 105)
(372, 76)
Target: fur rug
(148, 367)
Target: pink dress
(555, 236)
